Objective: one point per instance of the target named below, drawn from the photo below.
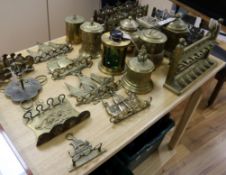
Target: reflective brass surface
(91, 39)
(93, 89)
(62, 66)
(114, 55)
(48, 51)
(51, 119)
(73, 32)
(82, 151)
(174, 31)
(124, 107)
(154, 42)
(138, 74)
(190, 63)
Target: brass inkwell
(51, 119)
(114, 53)
(138, 74)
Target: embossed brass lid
(106, 39)
(141, 64)
(177, 25)
(153, 36)
(129, 24)
(92, 27)
(75, 19)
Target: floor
(202, 150)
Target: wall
(25, 22)
(161, 4)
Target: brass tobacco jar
(130, 27)
(138, 74)
(114, 53)
(73, 32)
(154, 41)
(174, 31)
(91, 39)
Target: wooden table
(52, 158)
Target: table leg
(187, 115)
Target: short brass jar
(138, 73)
(73, 32)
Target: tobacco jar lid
(114, 38)
(92, 27)
(74, 19)
(129, 24)
(141, 63)
(153, 36)
(178, 25)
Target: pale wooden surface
(52, 158)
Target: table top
(52, 157)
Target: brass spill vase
(73, 32)
(138, 74)
(91, 39)
(114, 53)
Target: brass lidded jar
(114, 53)
(73, 32)
(91, 39)
(175, 30)
(154, 41)
(138, 74)
(130, 26)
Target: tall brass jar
(130, 27)
(114, 53)
(138, 73)
(154, 42)
(91, 39)
(174, 31)
(73, 32)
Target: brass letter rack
(51, 119)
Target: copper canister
(138, 73)
(114, 53)
(73, 32)
(154, 41)
(174, 31)
(91, 39)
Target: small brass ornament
(51, 119)
(138, 74)
(49, 50)
(62, 66)
(124, 107)
(82, 151)
(190, 63)
(93, 89)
